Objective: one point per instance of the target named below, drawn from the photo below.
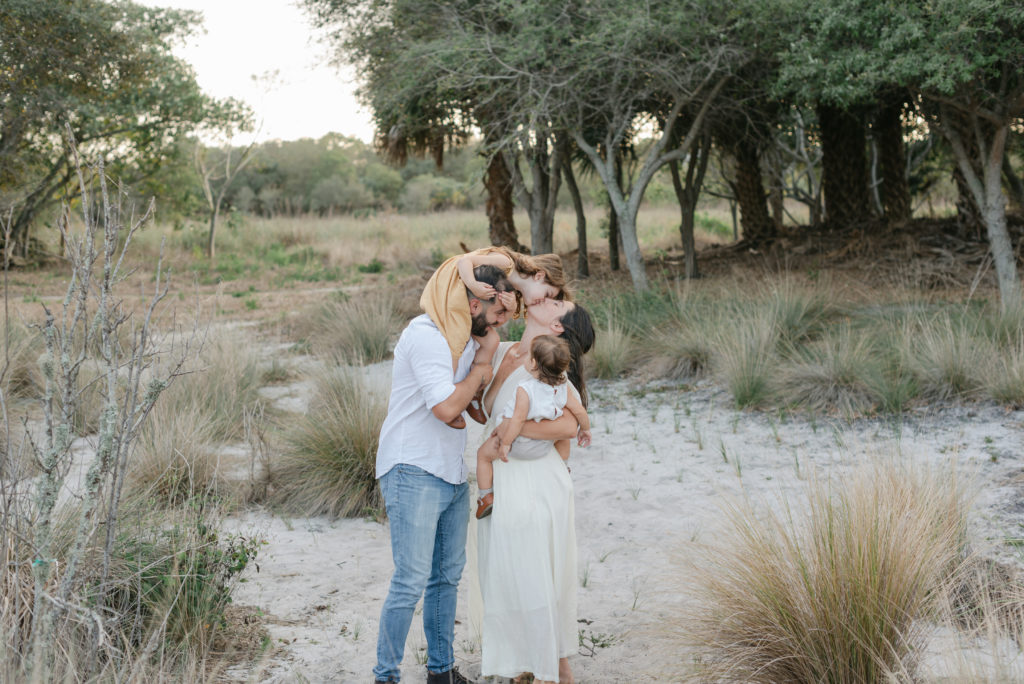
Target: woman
(527, 547)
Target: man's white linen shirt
(421, 379)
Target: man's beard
(480, 324)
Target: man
(423, 479)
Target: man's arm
(457, 401)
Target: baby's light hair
(551, 354)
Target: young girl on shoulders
(543, 396)
(444, 298)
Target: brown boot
(484, 505)
(458, 422)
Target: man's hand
(486, 372)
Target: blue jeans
(428, 519)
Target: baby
(541, 397)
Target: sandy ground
(664, 460)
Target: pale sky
(244, 38)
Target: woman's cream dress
(527, 556)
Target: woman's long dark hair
(578, 331)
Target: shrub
(176, 572)
(833, 592)
(329, 461)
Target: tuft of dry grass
(1005, 379)
(224, 382)
(173, 459)
(745, 356)
(21, 347)
(329, 460)
(834, 591)
(947, 355)
(613, 350)
(355, 330)
(837, 374)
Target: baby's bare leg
(484, 472)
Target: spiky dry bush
(837, 590)
(328, 464)
(837, 374)
(612, 354)
(353, 330)
(223, 382)
(946, 354)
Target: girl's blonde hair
(551, 354)
(548, 264)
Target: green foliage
(106, 70)
(179, 568)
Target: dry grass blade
(328, 467)
(834, 591)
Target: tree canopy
(105, 69)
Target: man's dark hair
(493, 276)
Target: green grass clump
(329, 463)
(836, 591)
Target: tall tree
(416, 108)
(105, 69)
